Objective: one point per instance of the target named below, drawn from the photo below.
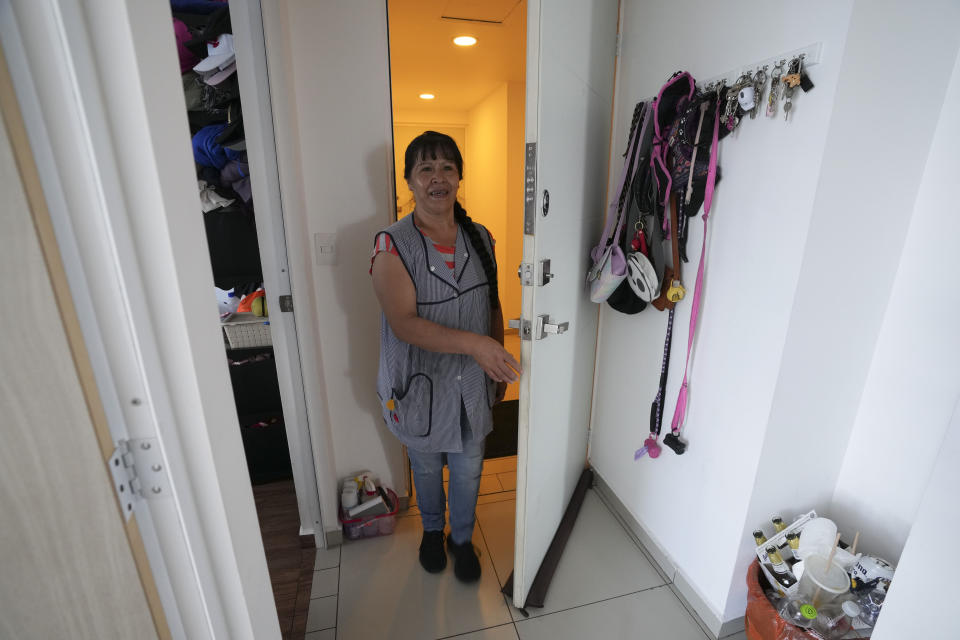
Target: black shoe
(432, 556)
(466, 566)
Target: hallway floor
(604, 587)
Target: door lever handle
(538, 329)
(560, 327)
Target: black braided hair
(486, 260)
(433, 145)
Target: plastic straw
(856, 539)
(816, 598)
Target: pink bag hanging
(609, 264)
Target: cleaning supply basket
(370, 526)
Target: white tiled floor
(604, 586)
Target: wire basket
(248, 333)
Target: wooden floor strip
(290, 556)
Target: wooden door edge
(12, 119)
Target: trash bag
(761, 621)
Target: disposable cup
(831, 581)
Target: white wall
(922, 600)
(914, 378)
(757, 239)
(510, 290)
(856, 236)
(329, 77)
(782, 351)
(485, 167)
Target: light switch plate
(325, 248)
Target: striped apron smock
(421, 391)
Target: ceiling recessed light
(464, 41)
(427, 96)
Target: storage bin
(247, 330)
(371, 526)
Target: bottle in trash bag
(793, 541)
(798, 612)
(870, 604)
(778, 526)
(780, 570)
(759, 537)
(834, 621)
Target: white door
(571, 51)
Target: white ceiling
(423, 58)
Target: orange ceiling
(423, 58)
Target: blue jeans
(465, 470)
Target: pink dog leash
(680, 412)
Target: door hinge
(539, 328)
(534, 277)
(530, 189)
(286, 303)
(138, 472)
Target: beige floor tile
(599, 562)
(503, 632)
(655, 613)
(326, 634)
(490, 484)
(497, 497)
(508, 480)
(327, 558)
(500, 465)
(322, 614)
(324, 583)
(385, 593)
(495, 521)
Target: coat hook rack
(811, 56)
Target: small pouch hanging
(642, 277)
(613, 269)
(609, 266)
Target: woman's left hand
(501, 391)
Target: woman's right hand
(495, 361)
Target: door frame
(89, 111)
(308, 477)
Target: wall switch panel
(325, 248)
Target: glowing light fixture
(464, 41)
(427, 96)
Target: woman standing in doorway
(442, 361)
